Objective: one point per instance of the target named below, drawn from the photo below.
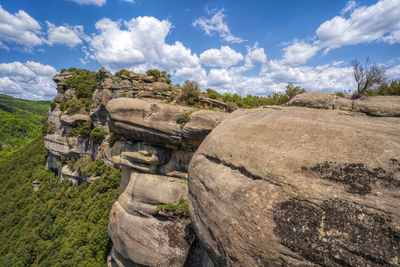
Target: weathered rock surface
(380, 106)
(74, 119)
(298, 187)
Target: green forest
(19, 123)
(60, 224)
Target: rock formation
(297, 186)
(152, 143)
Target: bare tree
(367, 76)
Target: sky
(244, 47)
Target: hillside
(19, 123)
(60, 224)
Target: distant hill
(19, 123)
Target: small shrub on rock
(98, 135)
(178, 209)
(81, 129)
(190, 93)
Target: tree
(368, 76)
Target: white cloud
(255, 54)
(91, 2)
(19, 28)
(393, 73)
(139, 44)
(298, 53)
(219, 78)
(366, 24)
(350, 6)
(65, 34)
(217, 24)
(30, 80)
(223, 57)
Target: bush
(74, 106)
(184, 118)
(386, 89)
(53, 105)
(113, 139)
(122, 72)
(213, 94)
(178, 209)
(81, 129)
(159, 74)
(84, 81)
(98, 135)
(339, 94)
(190, 94)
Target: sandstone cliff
(126, 123)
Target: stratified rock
(381, 106)
(74, 119)
(201, 123)
(156, 123)
(144, 120)
(98, 112)
(314, 100)
(298, 187)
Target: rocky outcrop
(154, 172)
(300, 187)
(152, 143)
(380, 106)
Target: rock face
(300, 187)
(154, 166)
(153, 144)
(380, 106)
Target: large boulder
(298, 187)
(380, 106)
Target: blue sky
(245, 47)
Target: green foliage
(81, 129)
(213, 94)
(87, 167)
(98, 135)
(339, 94)
(75, 106)
(122, 72)
(190, 93)
(251, 101)
(386, 89)
(59, 225)
(20, 122)
(178, 209)
(84, 81)
(113, 139)
(184, 118)
(47, 127)
(53, 105)
(159, 74)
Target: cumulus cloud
(29, 80)
(19, 28)
(91, 2)
(223, 57)
(298, 53)
(365, 24)
(217, 24)
(139, 44)
(65, 34)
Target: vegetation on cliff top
(60, 224)
(19, 123)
